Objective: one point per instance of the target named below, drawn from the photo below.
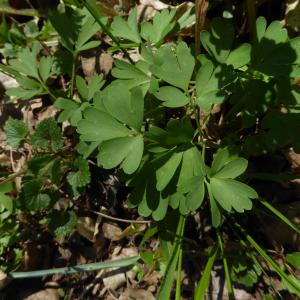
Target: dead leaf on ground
(111, 231)
(136, 294)
(113, 280)
(88, 65)
(86, 228)
(47, 294)
(105, 63)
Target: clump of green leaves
(152, 125)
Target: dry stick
(201, 7)
(27, 12)
(13, 176)
(121, 220)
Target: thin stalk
(13, 176)
(76, 269)
(178, 282)
(226, 268)
(19, 12)
(71, 92)
(92, 7)
(47, 89)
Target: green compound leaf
(16, 131)
(47, 135)
(165, 173)
(222, 157)
(118, 143)
(6, 201)
(212, 84)
(177, 132)
(124, 105)
(161, 25)
(71, 111)
(61, 223)
(174, 67)
(87, 91)
(81, 177)
(240, 56)
(45, 67)
(132, 75)
(127, 151)
(219, 42)
(127, 30)
(26, 61)
(232, 169)
(108, 127)
(172, 96)
(194, 197)
(230, 194)
(273, 53)
(75, 28)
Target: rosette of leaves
(115, 127)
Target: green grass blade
(290, 280)
(226, 268)
(280, 216)
(205, 278)
(118, 263)
(167, 284)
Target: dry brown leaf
(86, 228)
(136, 294)
(88, 65)
(111, 231)
(105, 63)
(47, 294)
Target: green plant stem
(226, 268)
(91, 6)
(71, 92)
(76, 269)
(19, 12)
(178, 282)
(47, 89)
(13, 176)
